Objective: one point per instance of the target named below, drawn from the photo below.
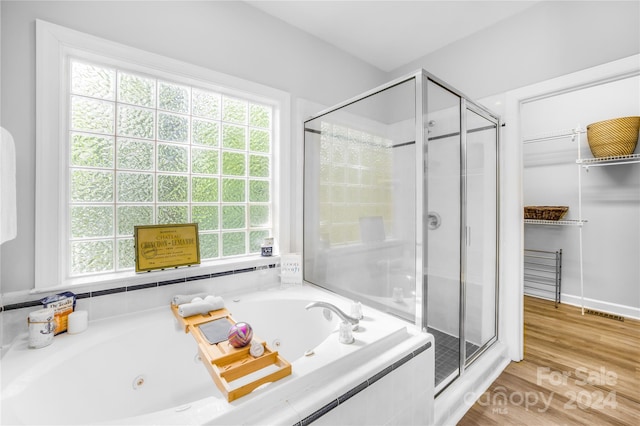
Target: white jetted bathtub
(140, 369)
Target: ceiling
(389, 34)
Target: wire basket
(545, 212)
(612, 138)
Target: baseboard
(454, 402)
(599, 305)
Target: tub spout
(344, 317)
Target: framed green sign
(166, 246)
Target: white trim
(513, 223)
(511, 306)
(48, 252)
(53, 44)
(599, 305)
(130, 278)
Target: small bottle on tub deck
(267, 247)
(78, 322)
(42, 326)
(256, 349)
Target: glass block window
(145, 150)
(355, 176)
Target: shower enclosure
(401, 209)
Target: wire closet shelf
(575, 135)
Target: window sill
(128, 279)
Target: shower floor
(448, 353)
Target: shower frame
(421, 78)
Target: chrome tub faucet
(348, 324)
(344, 317)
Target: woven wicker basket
(545, 212)
(615, 137)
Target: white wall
(547, 40)
(228, 37)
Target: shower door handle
(468, 229)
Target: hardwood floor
(577, 370)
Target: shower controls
(433, 220)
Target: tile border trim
(135, 287)
(362, 386)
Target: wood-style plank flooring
(577, 370)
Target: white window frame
(54, 45)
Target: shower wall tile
(108, 306)
(397, 398)
(15, 323)
(402, 396)
(83, 304)
(148, 298)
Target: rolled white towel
(216, 301)
(179, 299)
(189, 309)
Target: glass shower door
(443, 229)
(359, 200)
(461, 230)
(480, 279)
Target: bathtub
(141, 369)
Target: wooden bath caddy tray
(227, 364)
